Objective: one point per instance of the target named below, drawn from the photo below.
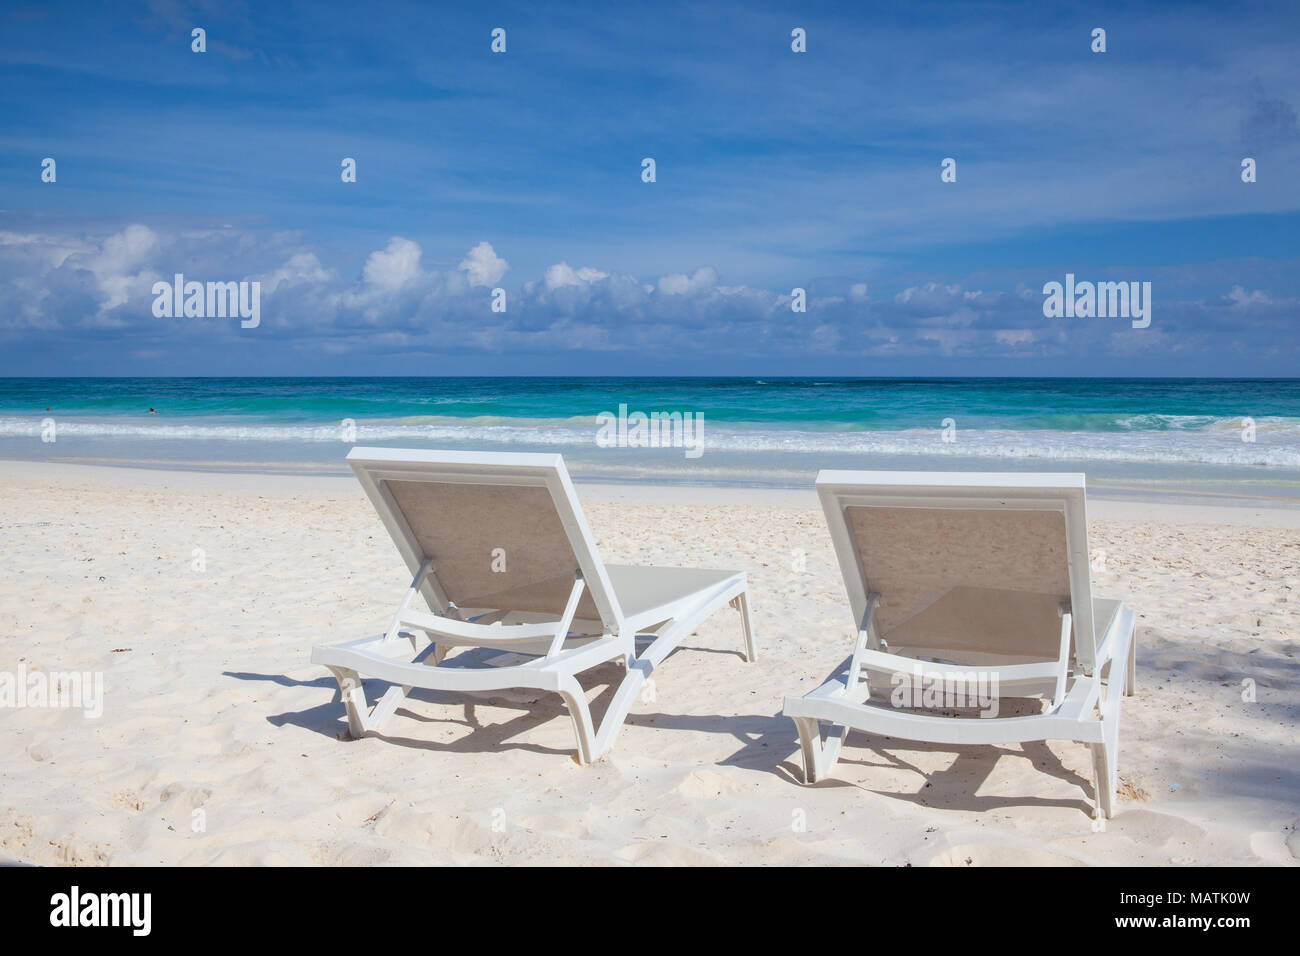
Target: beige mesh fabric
(459, 525)
(971, 585)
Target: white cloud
(562, 274)
(1243, 300)
(931, 294)
(301, 267)
(393, 267)
(483, 266)
(56, 281)
(678, 284)
(118, 257)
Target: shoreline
(1106, 502)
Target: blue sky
(775, 170)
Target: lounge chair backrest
(969, 568)
(504, 530)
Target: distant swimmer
(152, 412)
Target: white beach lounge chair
(501, 553)
(953, 578)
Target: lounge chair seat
(648, 595)
(502, 557)
(958, 580)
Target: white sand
(211, 704)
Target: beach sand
(221, 744)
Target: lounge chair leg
(1105, 755)
(354, 700)
(809, 743)
(362, 718)
(1103, 775)
(818, 758)
(576, 701)
(741, 603)
(386, 705)
(1130, 686)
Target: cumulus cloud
(301, 267)
(562, 274)
(117, 265)
(393, 267)
(58, 283)
(704, 278)
(49, 251)
(482, 266)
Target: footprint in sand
(183, 799)
(126, 800)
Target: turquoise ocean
(1216, 438)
